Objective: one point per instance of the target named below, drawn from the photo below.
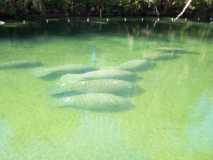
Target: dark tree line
(56, 8)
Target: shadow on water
(177, 51)
(51, 77)
(54, 73)
(144, 69)
(67, 93)
(110, 110)
(161, 57)
(104, 109)
(64, 94)
(167, 57)
(20, 65)
(133, 79)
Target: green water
(172, 118)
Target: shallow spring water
(172, 117)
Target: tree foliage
(23, 8)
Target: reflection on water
(95, 136)
(166, 123)
(93, 55)
(176, 51)
(23, 64)
(130, 37)
(5, 134)
(201, 130)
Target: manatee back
(117, 87)
(137, 65)
(97, 102)
(110, 74)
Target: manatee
(95, 102)
(176, 50)
(102, 74)
(137, 65)
(161, 56)
(55, 72)
(20, 64)
(170, 49)
(117, 87)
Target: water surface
(172, 118)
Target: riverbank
(105, 20)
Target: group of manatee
(90, 88)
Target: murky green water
(172, 118)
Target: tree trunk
(184, 9)
(100, 13)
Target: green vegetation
(56, 8)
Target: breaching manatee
(55, 72)
(101, 74)
(137, 65)
(20, 64)
(95, 102)
(117, 87)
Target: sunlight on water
(172, 115)
(201, 132)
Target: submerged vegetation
(202, 9)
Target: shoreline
(104, 19)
